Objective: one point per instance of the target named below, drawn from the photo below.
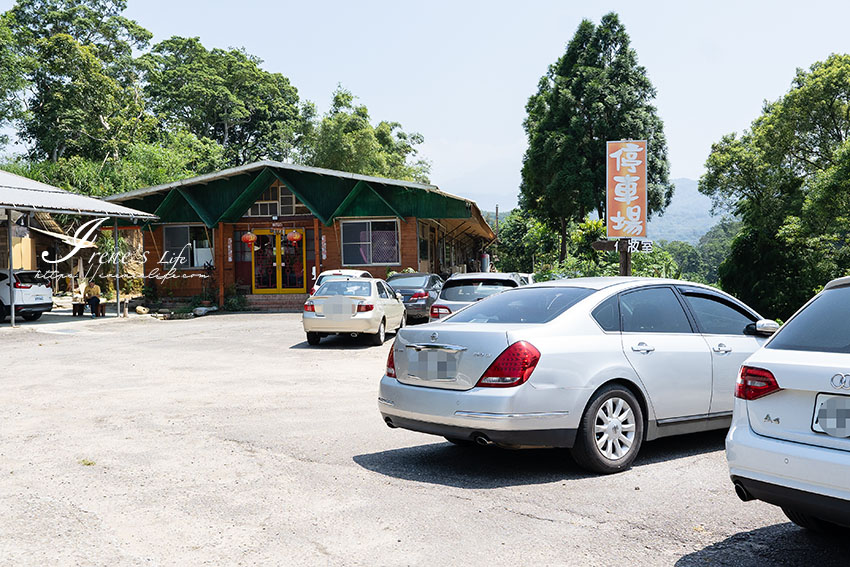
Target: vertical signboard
(626, 189)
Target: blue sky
(461, 72)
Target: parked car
(353, 306)
(597, 365)
(527, 279)
(789, 444)
(337, 275)
(419, 291)
(33, 295)
(462, 289)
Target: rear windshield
(30, 278)
(523, 305)
(329, 277)
(473, 290)
(412, 281)
(345, 288)
(823, 326)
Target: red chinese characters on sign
(626, 189)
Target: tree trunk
(563, 253)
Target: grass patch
(87, 463)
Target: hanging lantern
(293, 236)
(249, 237)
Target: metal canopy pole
(11, 265)
(117, 270)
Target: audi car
(597, 365)
(789, 444)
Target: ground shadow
(342, 342)
(780, 544)
(492, 467)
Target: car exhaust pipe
(353, 335)
(482, 440)
(742, 492)
(389, 423)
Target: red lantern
(293, 236)
(249, 237)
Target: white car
(337, 275)
(33, 295)
(353, 306)
(593, 364)
(461, 290)
(789, 444)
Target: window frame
(688, 315)
(688, 292)
(188, 227)
(342, 242)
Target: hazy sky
(461, 72)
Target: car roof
(410, 274)
(489, 275)
(343, 272)
(838, 282)
(624, 282)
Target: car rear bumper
(491, 412)
(30, 308)
(789, 474)
(417, 309)
(352, 325)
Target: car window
(716, 317)
(523, 305)
(345, 288)
(382, 290)
(607, 314)
(30, 278)
(653, 310)
(329, 277)
(823, 326)
(410, 281)
(474, 289)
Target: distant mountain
(687, 218)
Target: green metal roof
(227, 195)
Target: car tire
(2, 312)
(379, 337)
(813, 523)
(402, 323)
(611, 431)
(313, 338)
(31, 316)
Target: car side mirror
(764, 327)
(399, 296)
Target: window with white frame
(370, 242)
(187, 247)
(290, 205)
(267, 205)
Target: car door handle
(722, 349)
(643, 347)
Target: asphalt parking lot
(228, 440)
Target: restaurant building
(267, 229)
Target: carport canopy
(23, 194)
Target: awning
(24, 194)
(66, 239)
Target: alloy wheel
(614, 428)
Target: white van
(33, 295)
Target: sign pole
(625, 256)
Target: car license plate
(39, 298)
(432, 364)
(832, 415)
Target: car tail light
(421, 294)
(19, 285)
(364, 307)
(438, 311)
(310, 307)
(754, 383)
(391, 362)
(512, 368)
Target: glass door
(278, 261)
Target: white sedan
(353, 306)
(789, 444)
(594, 364)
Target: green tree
(80, 85)
(784, 179)
(12, 74)
(345, 139)
(225, 95)
(687, 257)
(594, 93)
(525, 243)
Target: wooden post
(220, 269)
(625, 257)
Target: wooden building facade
(303, 221)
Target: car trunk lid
(450, 356)
(799, 411)
(338, 307)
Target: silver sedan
(597, 365)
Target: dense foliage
(594, 93)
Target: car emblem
(840, 381)
(434, 337)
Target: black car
(419, 291)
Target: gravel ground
(227, 440)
